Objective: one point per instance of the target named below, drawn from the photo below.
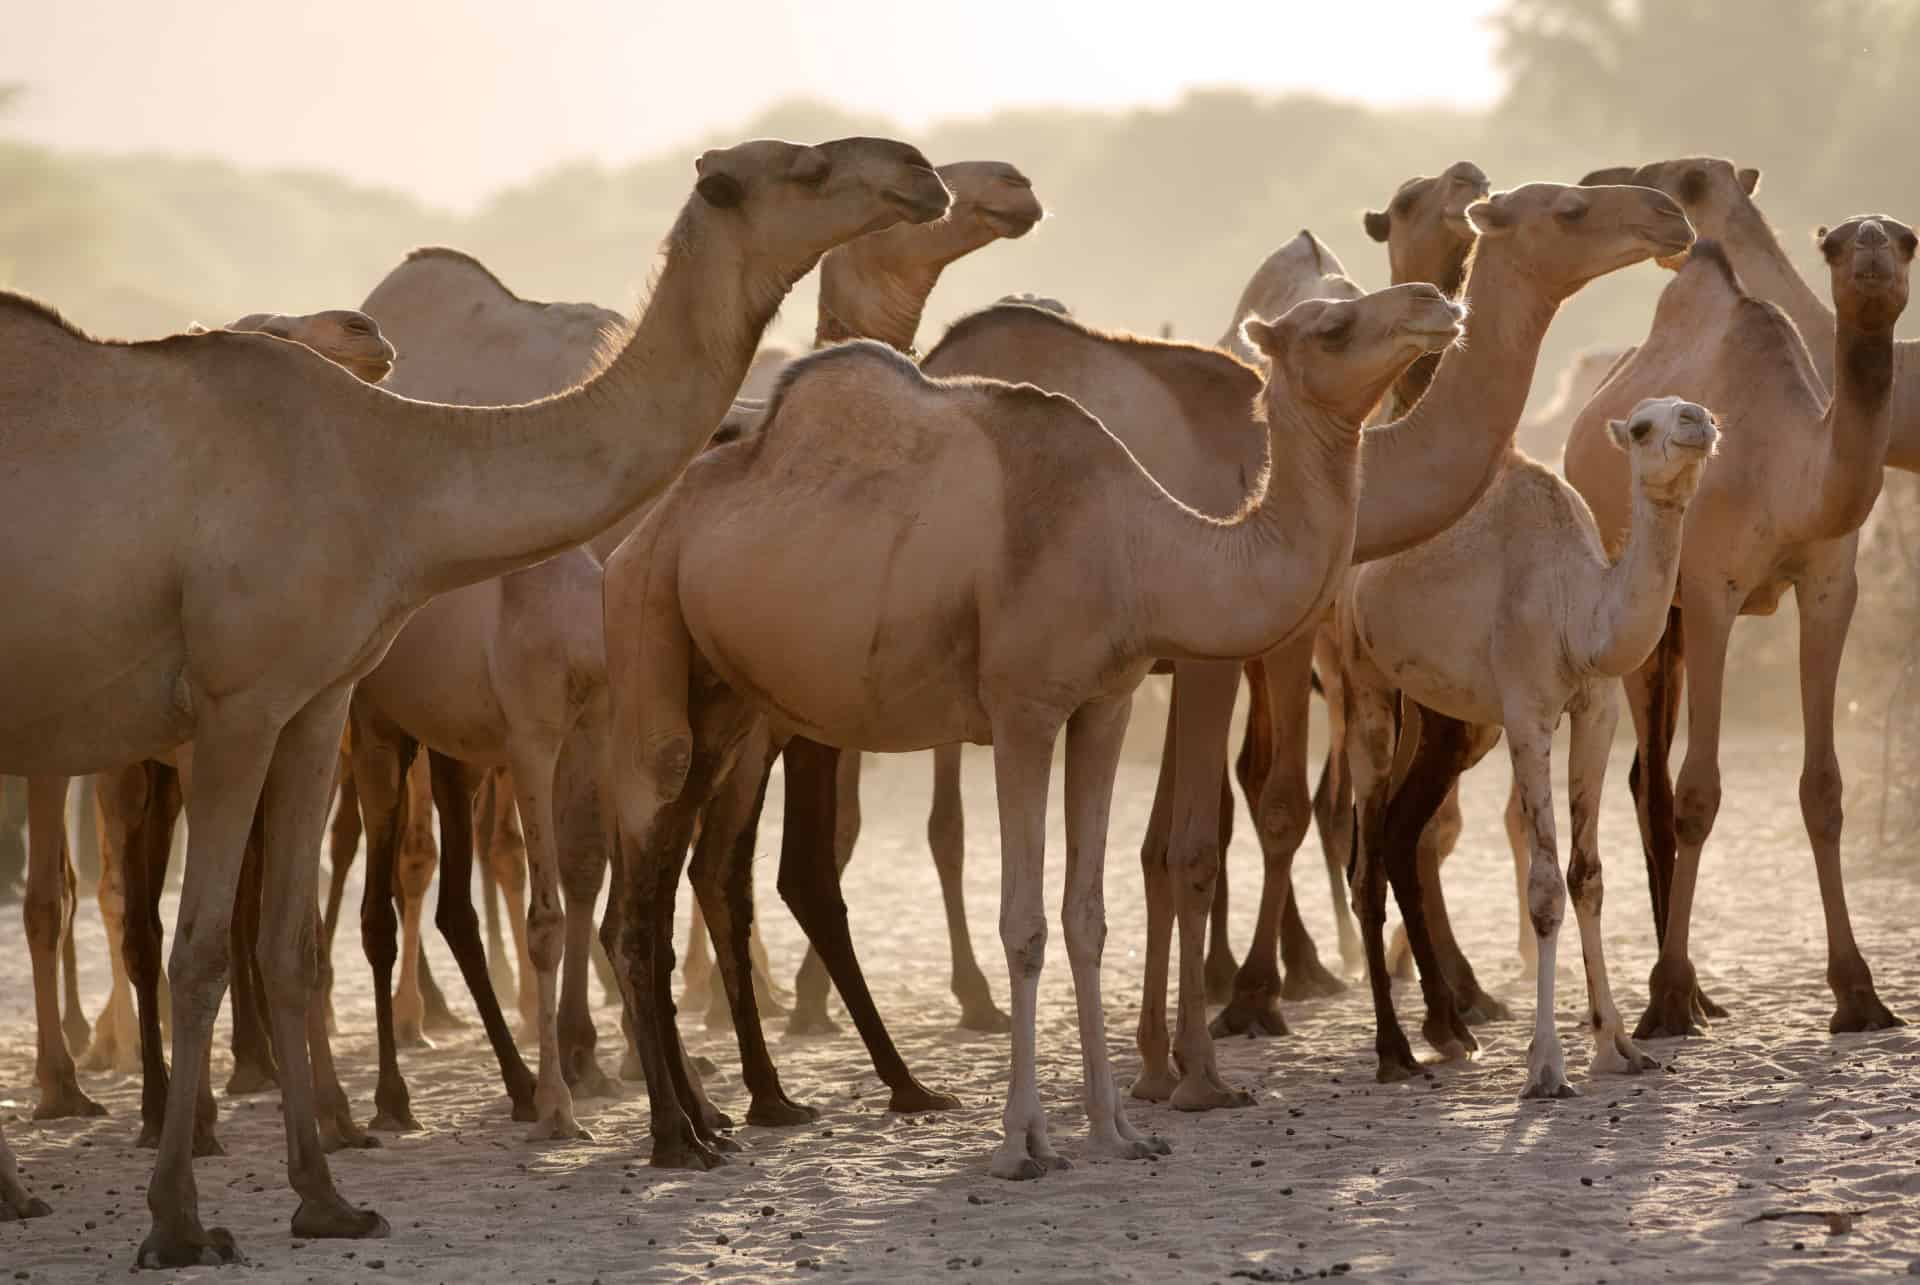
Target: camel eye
(1571, 213)
(1639, 430)
(1334, 334)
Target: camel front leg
(947, 841)
(533, 774)
(255, 1068)
(1673, 1006)
(1593, 716)
(506, 859)
(1530, 744)
(583, 843)
(298, 787)
(1515, 820)
(232, 752)
(453, 786)
(1022, 763)
(412, 875)
(1370, 748)
(1275, 781)
(1157, 1081)
(116, 1033)
(1826, 611)
(382, 757)
(1202, 717)
(1094, 736)
(73, 1021)
(45, 911)
(838, 825)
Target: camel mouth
(1011, 224)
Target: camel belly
(93, 718)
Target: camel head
(343, 336)
(1711, 191)
(1564, 236)
(1668, 441)
(1343, 354)
(1030, 299)
(1870, 256)
(1425, 226)
(787, 203)
(992, 194)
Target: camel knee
(1281, 823)
(546, 932)
(289, 966)
(456, 919)
(1085, 928)
(1695, 805)
(667, 760)
(379, 929)
(1025, 940)
(1586, 888)
(44, 913)
(1820, 802)
(197, 972)
(1546, 898)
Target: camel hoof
(1551, 1086)
(559, 1126)
(31, 1207)
(704, 1067)
(1396, 1064)
(591, 1082)
(149, 1139)
(524, 1111)
(443, 1020)
(335, 1219)
(338, 1132)
(1128, 1149)
(685, 1153)
(206, 1144)
(67, 1103)
(986, 1018)
(1449, 1037)
(1154, 1087)
(249, 1078)
(803, 1023)
(1309, 979)
(1254, 1016)
(400, 1121)
(1668, 1016)
(723, 1144)
(713, 1119)
(1861, 1010)
(188, 1248)
(1620, 1056)
(1019, 1169)
(1703, 1004)
(410, 1036)
(914, 1097)
(1482, 1008)
(780, 1112)
(1200, 1093)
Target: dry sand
(1446, 1178)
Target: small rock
(975, 1200)
(721, 1239)
(1586, 1182)
(1256, 1164)
(766, 1211)
(377, 1264)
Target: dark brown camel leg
(722, 877)
(811, 982)
(581, 836)
(47, 913)
(1370, 732)
(1445, 747)
(1221, 966)
(382, 756)
(453, 791)
(254, 1066)
(810, 886)
(1157, 1079)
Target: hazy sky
(453, 98)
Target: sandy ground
(1445, 1178)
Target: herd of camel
(605, 581)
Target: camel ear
(810, 166)
(195, 328)
(1377, 224)
(275, 326)
(1261, 335)
(1750, 179)
(1822, 237)
(1489, 218)
(1608, 177)
(1617, 432)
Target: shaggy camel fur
(1800, 474)
(1512, 618)
(250, 467)
(945, 525)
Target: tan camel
(254, 470)
(353, 340)
(1512, 618)
(1303, 268)
(1783, 508)
(948, 526)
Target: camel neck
(1413, 385)
(1858, 426)
(1425, 470)
(1630, 612)
(1239, 586)
(867, 293)
(1767, 273)
(491, 489)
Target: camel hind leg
(73, 1022)
(47, 913)
(116, 1032)
(413, 869)
(947, 841)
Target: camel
(1514, 617)
(1303, 268)
(499, 672)
(352, 340)
(252, 468)
(700, 657)
(1782, 509)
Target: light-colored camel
(486, 675)
(252, 598)
(1514, 617)
(1783, 508)
(979, 511)
(352, 340)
